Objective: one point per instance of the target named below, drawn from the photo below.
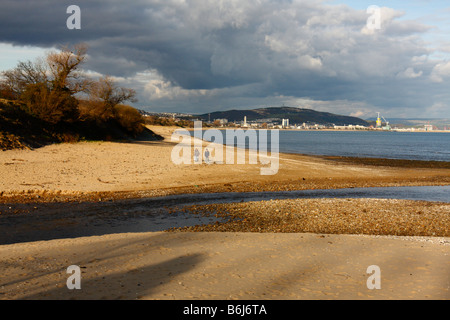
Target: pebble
(330, 216)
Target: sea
(425, 146)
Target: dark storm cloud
(236, 50)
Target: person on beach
(207, 156)
(196, 155)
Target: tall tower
(378, 120)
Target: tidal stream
(47, 221)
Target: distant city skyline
(205, 56)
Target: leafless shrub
(52, 106)
(129, 118)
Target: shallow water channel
(47, 221)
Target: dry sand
(209, 265)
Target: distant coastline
(332, 130)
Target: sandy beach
(226, 266)
(233, 262)
(144, 168)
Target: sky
(200, 56)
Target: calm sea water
(426, 146)
(373, 144)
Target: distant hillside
(416, 122)
(295, 116)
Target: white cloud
(161, 89)
(440, 72)
(240, 54)
(437, 110)
(379, 19)
(409, 73)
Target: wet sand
(214, 265)
(222, 266)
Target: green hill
(295, 116)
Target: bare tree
(60, 70)
(24, 74)
(47, 88)
(106, 90)
(105, 95)
(64, 67)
